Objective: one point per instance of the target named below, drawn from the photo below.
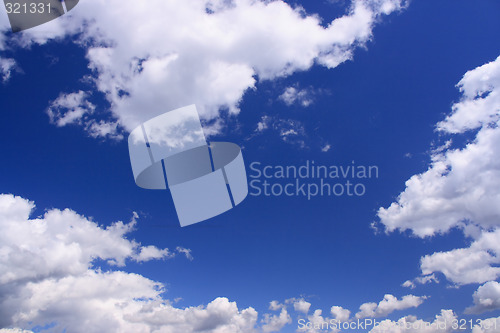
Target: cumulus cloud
(220, 315)
(489, 325)
(274, 323)
(388, 305)
(275, 306)
(340, 314)
(60, 243)
(151, 57)
(481, 100)
(152, 252)
(461, 189)
(463, 184)
(123, 302)
(475, 264)
(301, 306)
(442, 324)
(486, 298)
(50, 276)
(316, 323)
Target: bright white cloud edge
(152, 57)
(461, 189)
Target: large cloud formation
(462, 185)
(50, 274)
(152, 56)
(461, 189)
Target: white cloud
(6, 67)
(152, 252)
(151, 57)
(316, 323)
(461, 189)
(59, 243)
(74, 108)
(293, 95)
(70, 108)
(481, 100)
(442, 323)
(340, 314)
(107, 298)
(275, 306)
(486, 298)
(461, 185)
(289, 130)
(301, 306)
(420, 280)
(408, 284)
(186, 252)
(475, 264)
(275, 323)
(326, 148)
(388, 305)
(263, 124)
(50, 275)
(219, 316)
(104, 129)
(489, 325)
(117, 311)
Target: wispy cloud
(74, 108)
(7, 65)
(293, 95)
(388, 305)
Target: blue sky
(380, 108)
